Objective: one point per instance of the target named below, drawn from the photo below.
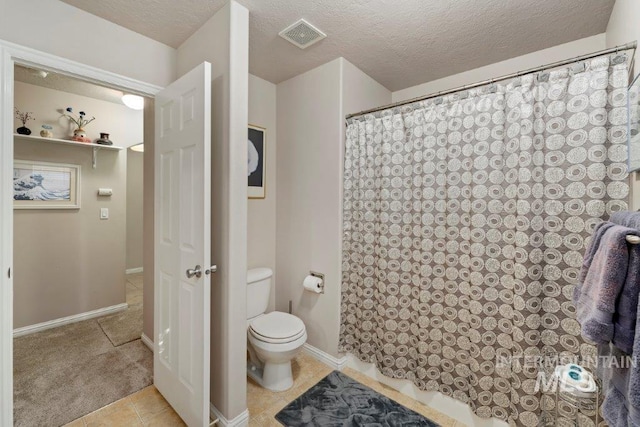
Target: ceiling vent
(302, 34)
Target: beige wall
(123, 124)
(624, 27)
(223, 41)
(69, 261)
(59, 29)
(360, 92)
(261, 213)
(513, 65)
(311, 109)
(135, 223)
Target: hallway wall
(68, 261)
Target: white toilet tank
(258, 291)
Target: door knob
(211, 269)
(194, 272)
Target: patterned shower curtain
(465, 222)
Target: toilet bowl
(274, 338)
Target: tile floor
(144, 408)
(307, 371)
(148, 408)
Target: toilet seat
(277, 328)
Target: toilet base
(272, 376)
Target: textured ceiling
(67, 84)
(398, 43)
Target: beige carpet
(67, 372)
(123, 327)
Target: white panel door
(183, 244)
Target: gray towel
(621, 383)
(625, 318)
(596, 298)
(626, 218)
(594, 243)
(614, 411)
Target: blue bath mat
(340, 401)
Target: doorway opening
(167, 319)
(78, 220)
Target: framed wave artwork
(41, 185)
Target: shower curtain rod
(628, 46)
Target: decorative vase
(46, 131)
(23, 130)
(80, 135)
(104, 139)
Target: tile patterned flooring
(144, 408)
(307, 371)
(148, 408)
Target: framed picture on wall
(42, 185)
(256, 171)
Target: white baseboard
(147, 341)
(25, 330)
(241, 420)
(326, 358)
(133, 270)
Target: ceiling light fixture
(134, 102)
(138, 147)
(37, 73)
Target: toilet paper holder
(321, 277)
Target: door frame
(11, 54)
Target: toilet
(273, 338)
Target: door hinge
(9, 273)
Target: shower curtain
(465, 221)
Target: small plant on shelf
(24, 118)
(81, 120)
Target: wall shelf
(95, 147)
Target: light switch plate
(104, 213)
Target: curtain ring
(492, 86)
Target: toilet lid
(277, 326)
